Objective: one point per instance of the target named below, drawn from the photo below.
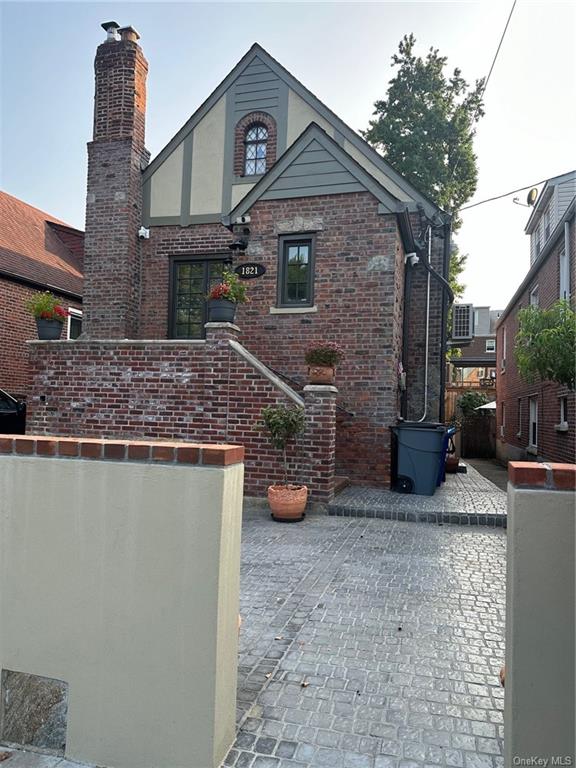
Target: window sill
(563, 427)
(532, 449)
(293, 310)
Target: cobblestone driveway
(370, 644)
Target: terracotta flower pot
(321, 374)
(452, 462)
(287, 502)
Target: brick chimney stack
(116, 158)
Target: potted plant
(322, 357)
(223, 298)
(49, 313)
(284, 424)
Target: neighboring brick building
(538, 420)
(37, 253)
(263, 164)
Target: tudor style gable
(235, 138)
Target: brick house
(537, 420)
(352, 252)
(37, 253)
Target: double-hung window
(533, 433)
(564, 266)
(296, 271)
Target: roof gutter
(15, 278)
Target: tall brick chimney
(116, 158)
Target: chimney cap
(129, 33)
(110, 25)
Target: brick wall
(512, 440)
(116, 157)
(17, 326)
(415, 361)
(199, 391)
(358, 285)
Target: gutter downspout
(446, 304)
(427, 344)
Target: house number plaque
(250, 270)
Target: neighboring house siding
(17, 326)
(514, 393)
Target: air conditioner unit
(462, 321)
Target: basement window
(296, 271)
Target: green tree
(545, 346)
(425, 127)
(469, 401)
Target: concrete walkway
(464, 499)
(492, 470)
(370, 644)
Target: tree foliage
(426, 124)
(283, 424)
(545, 345)
(469, 401)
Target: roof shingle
(30, 246)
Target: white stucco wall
(166, 185)
(208, 161)
(122, 579)
(300, 115)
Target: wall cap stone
(120, 342)
(531, 474)
(319, 389)
(224, 326)
(204, 454)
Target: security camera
(413, 258)
(144, 233)
(243, 219)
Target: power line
(506, 194)
(503, 35)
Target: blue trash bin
(420, 451)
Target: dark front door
(191, 281)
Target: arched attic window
(247, 137)
(255, 149)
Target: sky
(340, 51)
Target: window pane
(251, 151)
(260, 166)
(250, 167)
(252, 134)
(75, 326)
(261, 132)
(260, 150)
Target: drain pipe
(427, 329)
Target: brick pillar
(116, 158)
(320, 441)
(218, 379)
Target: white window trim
(534, 295)
(519, 433)
(564, 270)
(492, 343)
(72, 312)
(532, 447)
(503, 358)
(562, 426)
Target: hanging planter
(49, 315)
(322, 358)
(224, 297)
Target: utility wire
(499, 197)
(487, 79)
